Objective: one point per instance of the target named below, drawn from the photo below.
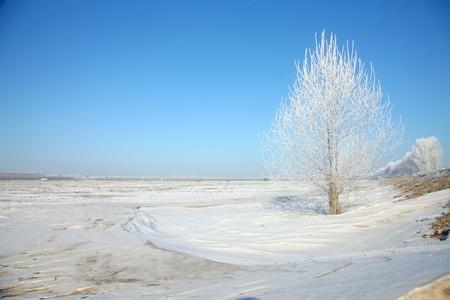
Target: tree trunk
(333, 199)
(333, 192)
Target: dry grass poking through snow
(413, 188)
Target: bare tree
(334, 127)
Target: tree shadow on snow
(298, 205)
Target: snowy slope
(213, 240)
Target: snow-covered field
(213, 240)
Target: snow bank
(217, 240)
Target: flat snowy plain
(213, 240)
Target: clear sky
(184, 88)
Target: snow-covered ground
(213, 240)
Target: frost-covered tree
(334, 127)
(427, 154)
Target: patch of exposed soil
(441, 225)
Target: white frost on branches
(425, 156)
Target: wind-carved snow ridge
(146, 226)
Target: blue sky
(184, 88)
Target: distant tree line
(32, 176)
